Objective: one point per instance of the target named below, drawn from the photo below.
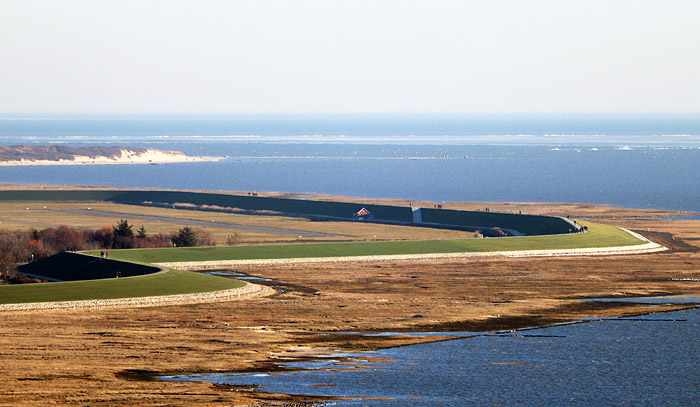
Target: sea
(651, 360)
(635, 161)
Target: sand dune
(58, 155)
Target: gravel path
(248, 291)
(648, 247)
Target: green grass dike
(598, 236)
(184, 282)
(169, 283)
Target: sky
(380, 56)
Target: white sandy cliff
(63, 155)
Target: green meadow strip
(170, 283)
(598, 236)
(183, 282)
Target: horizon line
(7, 115)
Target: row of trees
(124, 237)
(24, 246)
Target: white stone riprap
(247, 291)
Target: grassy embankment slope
(170, 283)
(598, 236)
(93, 278)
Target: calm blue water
(645, 361)
(639, 162)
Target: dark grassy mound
(256, 203)
(253, 203)
(58, 196)
(75, 267)
(526, 224)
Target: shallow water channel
(648, 360)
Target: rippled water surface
(643, 361)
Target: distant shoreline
(51, 155)
(101, 161)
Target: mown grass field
(598, 236)
(173, 282)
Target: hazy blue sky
(350, 56)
